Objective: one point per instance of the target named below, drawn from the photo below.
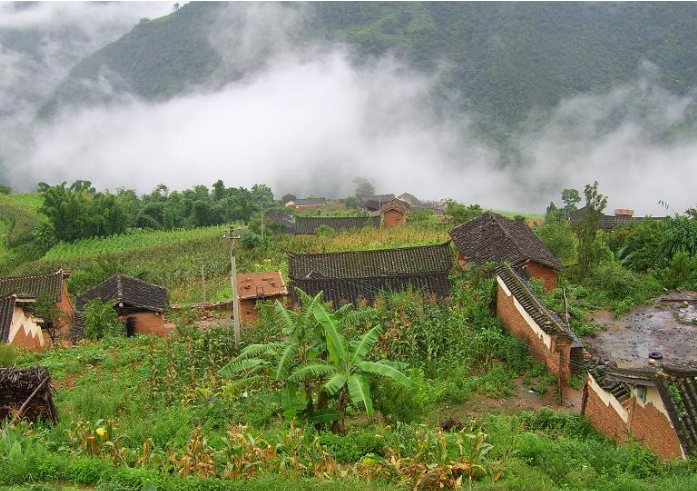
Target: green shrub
(325, 231)
(101, 319)
(354, 446)
(8, 355)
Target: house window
(641, 393)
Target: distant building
(44, 286)
(394, 213)
(287, 198)
(309, 225)
(410, 199)
(622, 218)
(375, 202)
(355, 276)
(140, 304)
(493, 238)
(18, 326)
(307, 203)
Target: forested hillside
(501, 60)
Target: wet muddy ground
(668, 327)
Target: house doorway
(130, 326)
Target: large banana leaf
(385, 371)
(256, 350)
(286, 360)
(313, 370)
(365, 344)
(237, 366)
(334, 384)
(286, 318)
(336, 343)
(360, 392)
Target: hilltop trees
(79, 211)
(587, 228)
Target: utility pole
(233, 281)
(203, 282)
(261, 212)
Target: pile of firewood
(25, 393)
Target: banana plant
(346, 370)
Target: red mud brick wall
(604, 418)
(651, 427)
(149, 323)
(393, 218)
(546, 274)
(519, 327)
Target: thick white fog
(309, 121)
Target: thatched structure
(25, 393)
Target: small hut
(394, 213)
(141, 304)
(25, 393)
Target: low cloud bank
(309, 121)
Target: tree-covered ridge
(503, 59)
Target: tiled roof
(610, 222)
(260, 285)
(410, 198)
(395, 204)
(311, 201)
(493, 238)
(309, 225)
(382, 262)
(7, 309)
(678, 389)
(47, 285)
(352, 290)
(129, 291)
(283, 219)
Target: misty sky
(310, 121)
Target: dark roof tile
(309, 225)
(493, 238)
(48, 285)
(130, 291)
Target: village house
(355, 276)
(375, 202)
(309, 225)
(141, 305)
(51, 287)
(494, 238)
(394, 213)
(286, 198)
(281, 220)
(548, 338)
(622, 217)
(18, 326)
(251, 289)
(410, 199)
(307, 203)
(644, 382)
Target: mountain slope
(503, 59)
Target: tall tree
(363, 187)
(587, 228)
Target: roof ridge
(496, 216)
(369, 250)
(32, 275)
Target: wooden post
(561, 384)
(233, 282)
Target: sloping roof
(679, 393)
(129, 291)
(310, 201)
(492, 237)
(260, 285)
(396, 205)
(309, 225)
(7, 309)
(283, 219)
(382, 262)
(353, 290)
(47, 285)
(409, 198)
